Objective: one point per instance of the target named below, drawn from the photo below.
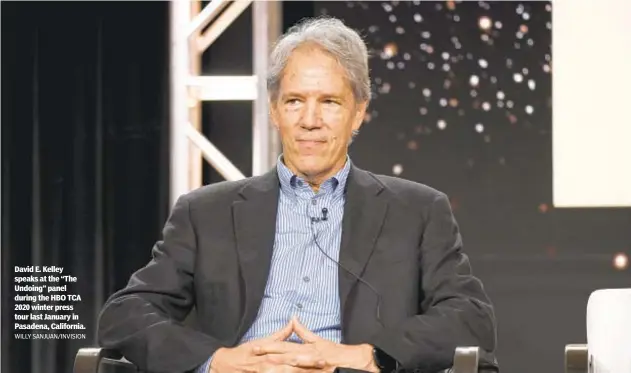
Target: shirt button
(306, 279)
(313, 201)
(299, 305)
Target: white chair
(608, 348)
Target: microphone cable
(315, 239)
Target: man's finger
(304, 360)
(282, 334)
(279, 335)
(278, 348)
(304, 333)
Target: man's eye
(330, 102)
(292, 101)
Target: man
(316, 265)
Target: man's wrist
(212, 362)
(366, 359)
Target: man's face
(315, 113)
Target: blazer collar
(364, 215)
(254, 219)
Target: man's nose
(311, 116)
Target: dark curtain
(84, 154)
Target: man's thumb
(304, 333)
(283, 333)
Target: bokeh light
(620, 261)
(485, 23)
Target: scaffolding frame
(193, 30)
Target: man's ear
(273, 112)
(360, 113)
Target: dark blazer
(398, 236)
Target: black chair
(576, 358)
(101, 360)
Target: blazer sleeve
(455, 309)
(144, 321)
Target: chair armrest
(88, 360)
(576, 358)
(466, 360)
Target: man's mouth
(310, 142)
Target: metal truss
(193, 30)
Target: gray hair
(335, 38)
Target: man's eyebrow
(338, 96)
(291, 94)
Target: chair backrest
(609, 331)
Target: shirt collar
(289, 181)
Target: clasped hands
(274, 354)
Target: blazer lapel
(364, 214)
(255, 226)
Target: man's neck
(315, 181)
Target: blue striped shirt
(303, 281)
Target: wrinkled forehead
(311, 69)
